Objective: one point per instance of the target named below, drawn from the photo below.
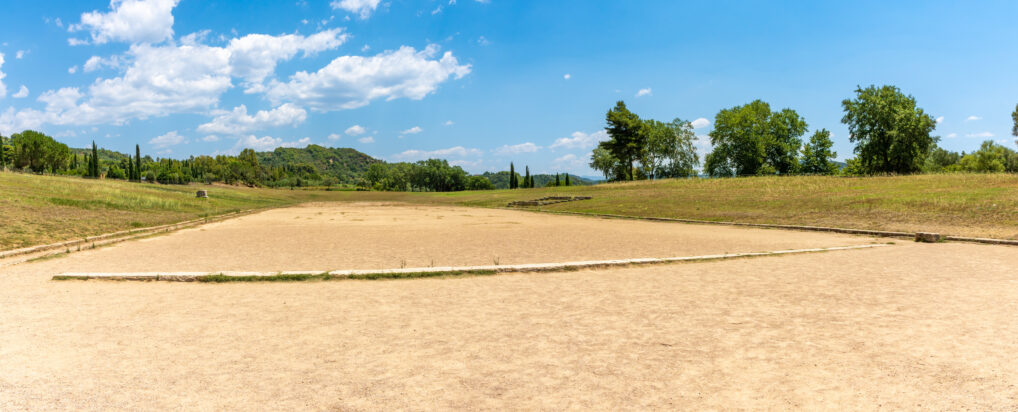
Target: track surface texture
(912, 326)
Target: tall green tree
(567, 179)
(817, 156)
(601, 159)
(892, 134)
(512, 176)
(3, 155)
(1014, 117)
(527, 183)
(753, 140)
(94, 172)
(627, 138)
(137, 163)
(39, 152)
(557, 181)
(670, 151)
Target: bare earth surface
(912, 326)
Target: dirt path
(913, 326)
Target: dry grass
(45, 209)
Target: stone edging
(533, 267)
(120, 236)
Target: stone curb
(532, 267)
(120, 236)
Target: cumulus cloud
(254, 57)
(334, 136)
(238, 122)
(412, 130)
(167, 140)
(19, 54)
(567, 76)
(940, 120)
(349, 82)
(355, 130)
(973, 118)
(264, 143)
(952, 135)
(457, 152)
(644, 92)
(22, 93)
(580, 140)
(366, 140)
(700, 123)
(210, 138)
(95, 63)
(363, 8)
(517, 149)
(129, 21)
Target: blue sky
(483, 83)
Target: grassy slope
(958, 204)
(45, 209)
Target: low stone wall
(550, 200)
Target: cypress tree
(557, 182)
(130, 168)
(95, 160)
(527, 183)
(3, 160)
(512, 176)
(567, 179)
(137, 163)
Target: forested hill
(501, 180)
(344, 164)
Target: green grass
(982, 205)
(46, 209)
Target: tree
(38, 152)
(94, 171)
(752, 140)
(602, 160)
(1014, 117)
(512, 176)
(891, 134)
(137, 163)
(627, 138)
(990, 158)
(3, 154)
(527, 183)
(557, 181)
(567, 179)
(817, 157)
(670, 151)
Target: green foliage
(892, 135)
(432, 175)
(990, 158)
(604, 161)
(479, 183)
(513, 178)
(501, 179)
(567, 180)
(940, 160)
(1014, 118)
(817, 157)
(669, 150)
(628, 139)
(751, 140)
(38, 152)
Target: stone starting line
(532, 267)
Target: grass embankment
(979, 205)
(45, 209)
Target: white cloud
(264, 144)
(254, 57)
(517, 149)
(365, 48)
(644, 92)
(22, 93)
(72, 69)
(448, 123)
(3, 89)
(412, 130)
(457, 152)
(700, 123)
(238, 122)
(167, 140)
(334, 136)
(350, 82)
(130, 21)
(19, 54)
(570, 162)
(95, 63)
(483, 41)
(210, 138)
(940, 120)
(580, 140)
(973, 118)
(567, 76)
(363, 8)
(355, 130)
(983, 135)
(366, 140)
(952, 135)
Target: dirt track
(913, 326)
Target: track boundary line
(530, 267)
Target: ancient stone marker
(202, 194)
(927, 237)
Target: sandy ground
(913, 326)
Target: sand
(913, 326)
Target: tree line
(892, 135)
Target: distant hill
(344, 164)
(501, 179)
